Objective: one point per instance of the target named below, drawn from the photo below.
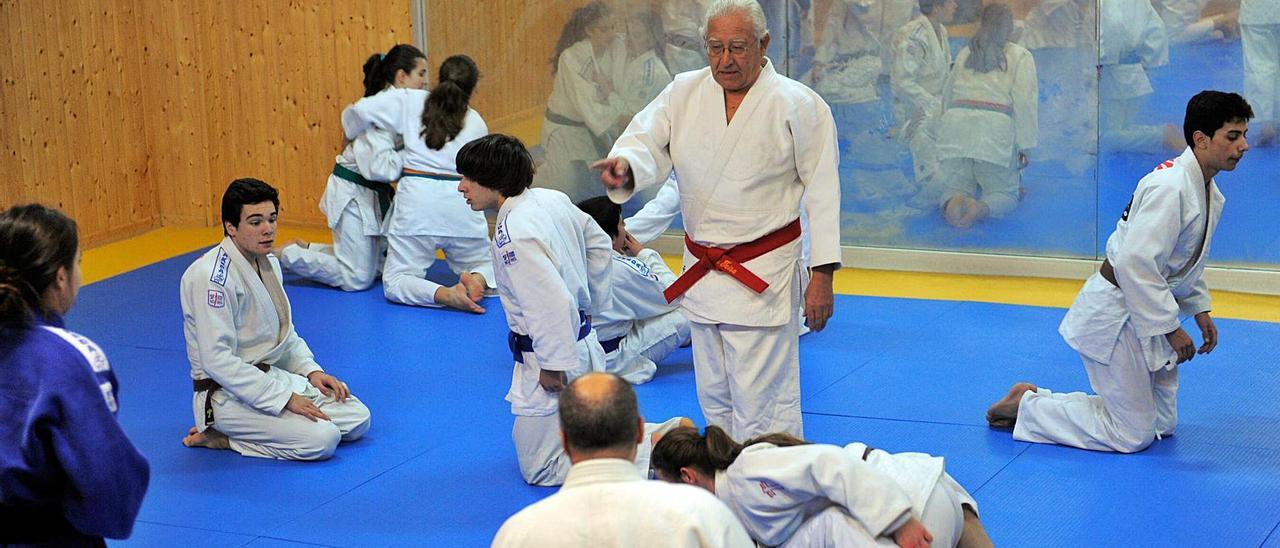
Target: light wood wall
(129, 114)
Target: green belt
(383, 190)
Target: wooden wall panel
(69, 98)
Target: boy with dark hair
(641, 328)
(1125, 323)
(551, 264)
(258, 389)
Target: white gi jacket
(605, 503)
(637, 284)
(232, 321)
(1158, 250)
(551, 262)
(850, 53)
(772, 490)
(921, 64)
(640, 80)
(1131, 39)
(740, 181)
(1260, 12)
(373, 154)
(657, 214)
(990, 116)
(446, 211)
(583, 90)
(1059, 24)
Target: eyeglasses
(736, 48)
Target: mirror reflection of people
(69, 475)
(1260, 35)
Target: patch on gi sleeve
(217, 299)
(636, 265)
(109, 395)
(221, 265)
(770, 489)
(500, 236)
(509, 257)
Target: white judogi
(641, 79)
(1183, 23)
(657, 214)
(648, 327)
(552, 266)
(1132, 40)
(429, 214)
(605, 503)
(1158, 250)
(849, 54)
(234, 320)
(1059, 24)
(738, 182)
(682, 21)
(921, 63)
(352, 211)
(1260, 36)
(581, 111)
(773, 490)
(989, 118)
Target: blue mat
(438, 467)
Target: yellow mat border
(123, 256)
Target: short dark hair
(1209, 110)
(242, 192)
(605, 212)
(497, 161)
(594, 424)
(927, 6)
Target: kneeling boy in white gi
(258, 389)
(641, 328)
(551, 264)
(1125, 321)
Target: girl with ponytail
(429, 213)
(358, 193)
(57, 399)
(790, 492)
(988, 125)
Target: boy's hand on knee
(301, 405)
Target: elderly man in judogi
(751, 147)
(921, 62)
(258, 389)
(1125, 323)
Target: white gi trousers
(647, 342)
(942, 516)
(350, 264)
(404, 277)
(1262, 70)
(992, 184)
(1133, 405)
(748, 378)
(289, 436)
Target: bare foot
(684, 421)
(210, 439)
(475, 285)
(1005, 412)
(974, 211)
(456, 297)
(954, 209)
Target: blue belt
(612, 344)
(519, 344)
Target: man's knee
(1132, 440)
(318, 443)
(361, 418)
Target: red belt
(730, 260)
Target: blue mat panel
(154, 534)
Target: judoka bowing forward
(551, 263)
(606, 502)
(258, 389)
(1125, 321)
(751, 147)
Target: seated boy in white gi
(551, 264)
(641, 328)
(258, 389)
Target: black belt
(612, 344)
(1108, 272)
(209, 386)
(519, 344)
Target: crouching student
(789, 492)
(258, 388)
(641, 328)
(551, 264)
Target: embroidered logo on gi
(97, 360)
(220, 267)
(500, 237)
(640, 268)
(108, 395)
(509, 257)
(217, 299)
(769, 489)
